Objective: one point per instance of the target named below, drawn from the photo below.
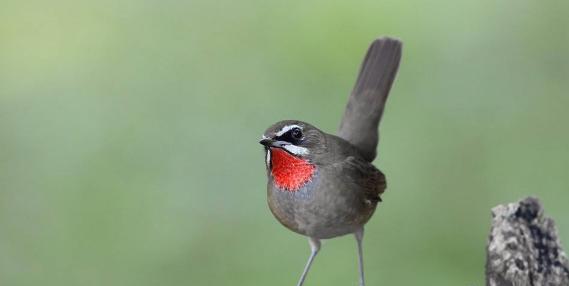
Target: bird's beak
(267, 142)
(286, 146)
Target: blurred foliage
(129, 154)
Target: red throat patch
(289, 172)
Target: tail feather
(365, 106)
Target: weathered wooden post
(523, 247)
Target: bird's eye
(296, 133)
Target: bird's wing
(366, 176)
(367, 100)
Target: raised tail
(359, 125)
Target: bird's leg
(359, 234)
(314, 248)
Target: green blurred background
(128, 135)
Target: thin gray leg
(359, 234)
(314, 248)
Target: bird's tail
(359, 125)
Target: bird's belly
(319, 212)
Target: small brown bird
(323, 186)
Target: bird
(322, 185)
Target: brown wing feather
(371, 180)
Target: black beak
(267, 142)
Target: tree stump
(523, 247)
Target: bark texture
(523, 247)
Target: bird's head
(290, 147)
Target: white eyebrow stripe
(287, 128)
(264, 137)
(296, 150)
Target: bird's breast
(289, 172)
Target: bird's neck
(289, 172)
